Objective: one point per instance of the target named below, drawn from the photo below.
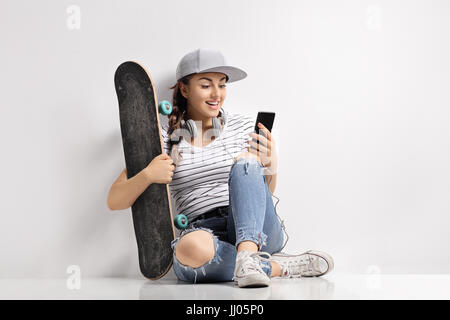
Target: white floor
(326, 287)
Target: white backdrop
(361, 95)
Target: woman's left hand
(266, 149)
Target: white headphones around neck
(190, 126)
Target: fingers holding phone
(262, 143)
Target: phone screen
(266, 118)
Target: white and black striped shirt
(200, 180)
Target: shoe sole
(253, 281)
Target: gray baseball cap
(207, 60)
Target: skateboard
(142, 141)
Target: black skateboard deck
(142, 142)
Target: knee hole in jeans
(195, 248)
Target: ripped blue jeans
(251, 216)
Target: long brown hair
(179, 105)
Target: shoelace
(253, 264)
(293, 268)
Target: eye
(206, 86)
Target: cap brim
(233, 73)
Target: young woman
(222, 180)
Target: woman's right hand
(161, 169)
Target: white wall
(361, 92)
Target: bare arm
(124, 191)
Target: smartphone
(266, 118)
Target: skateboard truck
(180, 221)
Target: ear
(183, 89)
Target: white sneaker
(312, 263)
(248, 271)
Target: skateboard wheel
(181, 221)
(165, 107)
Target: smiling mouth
(212, 105)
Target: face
(205, 93)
